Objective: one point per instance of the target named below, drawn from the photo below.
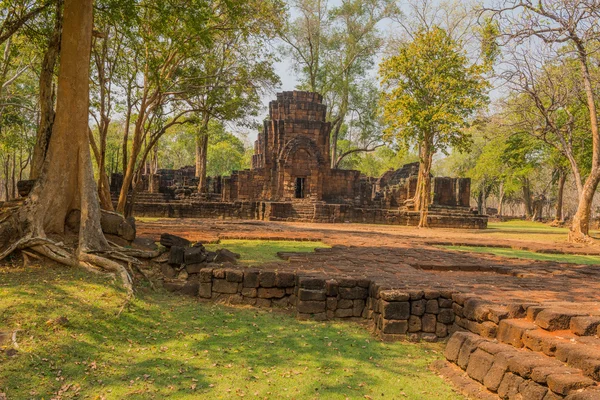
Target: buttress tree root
(66, 182)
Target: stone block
(358, 307)
(219, 273)
(556, 319)
(194, 268)
(428, 322)
(311, 295)
(394, 327)
(479, 365)
(417, 307)
(285, 280)
(347, 282)
(540, 340)
(445, 303)
(487, 329)
(168, 271)
(233, 275)
(332, 303)
(432, 307)
(476, 309)
(532, 391)
(416, 294)
(176, 255)
(311, 283)
(497, 313)
(394, 295)
(564, 383)
(311, 307)
(251, 279)
(344, 313)
(249, 292)
(458, 309)
(430, 294)
(265, 303)
(266, 279)
(270, 293)
(511, 331)
(495, 375)
(509, 387)
(453, 346)
(523, 364)
(206, 275)
(169, 240)
(468, 347)
(584, 326)
(205, 290)
(345, 303)
(541, 374)
(353, 293)
(414, 323)
(446, 316)
(331, 287)
(280, 303)
(398, 310)
(441, 330)
(194, 255)
(223, 286)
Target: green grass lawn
(528, 230)
(530, 255)
(169, 346)
(261, 251)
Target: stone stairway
(529, 352)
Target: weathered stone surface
(331, 287)
(234, 275)
(249, 292)
(476, 309)
(565, 383)
(480, 363)
(540, 340)
(446, 316)
(398, 310)
(556, 319)
(541, 374)
(394, 295)
(584, 326)
(353, 293)
(169, 240)
(224, 255)
(251, 279)
(315, 295)
(509, 387)
(312, 283)
(417, 307)
(267, 279)
(346, 282)
(468, 347)
(511, 330)
(523, 364)
(453, 346)
(487, 329)
(206, 275)
(441, 330)
(311, 307)
(344, 312)
(445, 303)
(345, 303)
(332, 303)
(428, 322)
(194, 268)
(168, 271)
(194, 255)
(495, 375)
(223, 286)
(432, 307)
(270, 293)
(285, 279)
(414, 323)
(532, 391)
(176, 255)
(357, 308)
(394, 327)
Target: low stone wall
(320, 212)
(392, 314)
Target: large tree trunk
(562, 178)
(580, 228)
(527, 200)
(202, 154)
(47, 96)
(423, 193)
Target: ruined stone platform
(517, 329)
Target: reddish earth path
(404, 257)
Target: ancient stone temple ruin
(291, 180)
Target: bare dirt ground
(406, 257)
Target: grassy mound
(168, 346)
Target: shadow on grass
(168, 346)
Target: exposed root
(143, 273)
(112, 266)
